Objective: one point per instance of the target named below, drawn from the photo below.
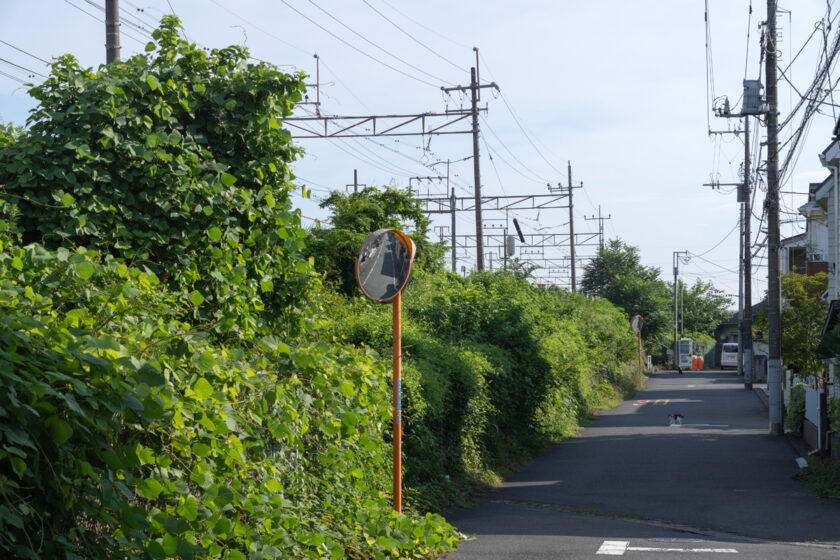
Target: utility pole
(452, 205)
(676, 322)
(752, 105)
(746, 323)
(475, 88)
(600, 219)
(774, 292)
(355, 184)
(112, 31)
(570, 188)
(572, 229)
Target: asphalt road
(716, 487)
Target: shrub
(795, 413)
(130, 433)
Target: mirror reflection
(383, 265)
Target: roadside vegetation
(617, 275)
(187, 372)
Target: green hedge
(494, 370)
(128, 432)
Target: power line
(719, 243)
(10, 63)
(25, 52)
(519, 123)
(11, 77)
(354, 47)
(257, 27)
(407, 34)
(414, 21)
(386, 51)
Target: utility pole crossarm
(436, 205)
(380, 125)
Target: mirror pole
(397, 330)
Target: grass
(821, 477)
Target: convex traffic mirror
(384, 264)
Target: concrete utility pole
(452, 203)
(475, 88)
(355, 184)
(572, 229)
(746, 321)
(570, 188)
(774, 291)
(112, 31)
(676, 309)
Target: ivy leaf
(85, 270)
(228, 180)
(196, 298)
(202, 388)
(153, 82)
(204, 361)
(214, 233)
(201, 449)
(67, 200)
(236, 555)
(149, 488)
(189, 509)
(59, 429)
(18, 465)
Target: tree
(802, 321)
(617, 275)
(174, 161)
(704, 307)
(162, 395)
(354, 217)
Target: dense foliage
(803, 317)
(357, 214)
(704, 307)
(176, 162)
(495, 368)
(617, 275)
(162, 393)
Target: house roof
(733, 320)
(794, 240)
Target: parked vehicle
(729, 355)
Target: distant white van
(729, 355)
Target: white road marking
(613, 548)
(699, 425)
(619, 548)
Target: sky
(620, 90)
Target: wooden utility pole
(774, 291)
(112, 31)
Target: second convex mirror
(384, 264)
